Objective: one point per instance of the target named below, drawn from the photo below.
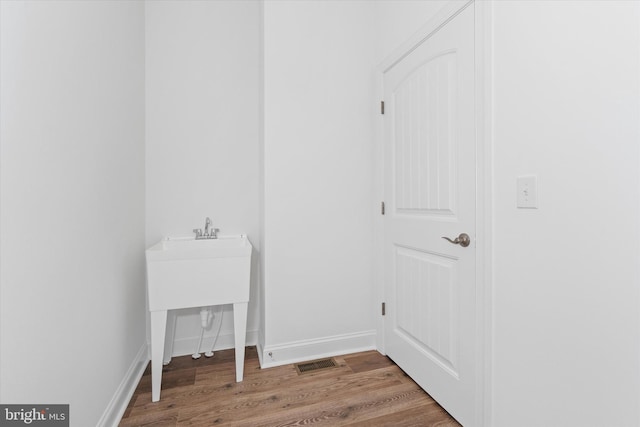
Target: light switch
(527, 192)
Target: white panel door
(430, 192)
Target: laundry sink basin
(185, 272)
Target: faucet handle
(214, 233)
(198, 232)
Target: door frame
(484, 197)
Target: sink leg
(158, 329)
(169, 337)
(240, 330)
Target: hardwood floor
(365, 389)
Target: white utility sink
(183, 272)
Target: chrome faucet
(207, 223)
(213, 234)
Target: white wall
(202, 124)
(318, 212)
(72, 319)
(566, 300)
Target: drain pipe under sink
(205, 317)
(219, 315)
(206, 313)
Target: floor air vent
(315, 365)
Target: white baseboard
(186, 346)
(299, 351)
(120, 400)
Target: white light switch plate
(527, 192)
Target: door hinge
(384, 308)
(381, 107)
(382, 208)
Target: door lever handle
(463, 240)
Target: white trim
(187, 346)
(299, 351)
(378, 222)
(120, 400)
(638, 314)
(484, 193)
(484, 209)
(444, 15)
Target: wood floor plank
(340, 412)
(366, 389)
(171, 379)
(252, 373)
(427, 414)
(151, 419)
(293, 396)
(217, 391)
(367, 361)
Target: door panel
(421, 276)
(430, 189)
(425, 160)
